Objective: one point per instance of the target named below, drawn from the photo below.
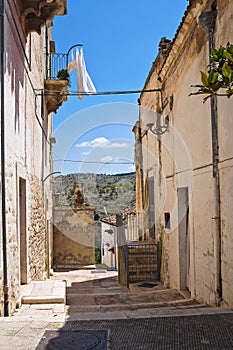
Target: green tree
(218, 80)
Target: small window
(167, 221)
(167, 121)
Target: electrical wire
(101, 93)
(73, 93)
(91, 162)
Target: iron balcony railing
(55, 62)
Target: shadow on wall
(15, 58)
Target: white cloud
(102, 142)
(107, 159)
(131, 168)
(85, 153)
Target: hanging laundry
(72, 64)
(79, 76)
(88, 85)
(85, 83)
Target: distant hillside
(106, 193)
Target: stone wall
(74, 239)
(27, 158)
(37, 237)
(12, 239)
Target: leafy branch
(218, 80)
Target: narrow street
(101, 314)
(116, 168)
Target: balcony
(34, 13)
(57, 79)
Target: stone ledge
(44, 292)
(34, 13)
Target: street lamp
(55, 172)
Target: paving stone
(166, 333)
(44, 292)
(19, 343)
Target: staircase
(105, 295)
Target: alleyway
(101, 314)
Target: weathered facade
(26, 126)
(73, 238)
(184, 176)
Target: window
(167, 221)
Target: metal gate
(143, 261)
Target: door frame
(183, 238)
(22, 227)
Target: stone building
(26, 106)
(184, 159)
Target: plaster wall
(225, 125)
(185, 158)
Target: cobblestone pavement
(175, 333)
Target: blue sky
(120, 41)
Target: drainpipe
(207, 20)
(140, 157)
(3, 183)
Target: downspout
(3, 183)
(140, 156)
(46, 53)
(207, 20)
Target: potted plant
(64, 75)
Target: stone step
(125, 298)
(176, 304)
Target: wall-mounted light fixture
(159, 129)
(152, 120)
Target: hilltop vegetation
(106, 193)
